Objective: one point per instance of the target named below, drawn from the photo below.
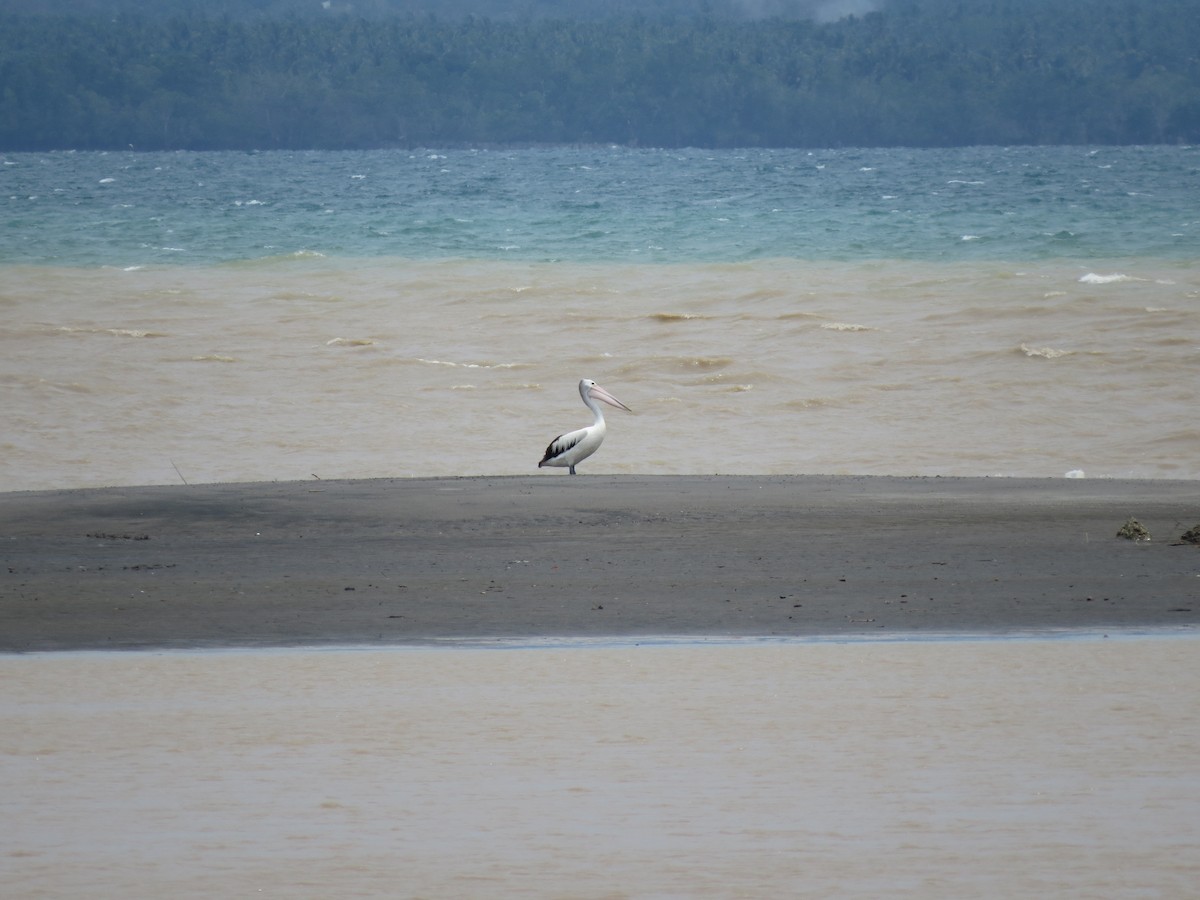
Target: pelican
(574, 447)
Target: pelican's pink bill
(601, 394)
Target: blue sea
(603, 205)
(227, 316)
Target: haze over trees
(263, 74)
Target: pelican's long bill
(601, 394)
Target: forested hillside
(914, 72)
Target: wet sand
(420, 560)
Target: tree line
(912, 73)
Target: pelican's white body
(574, 447)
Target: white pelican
(574, 447)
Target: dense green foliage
(916, 72)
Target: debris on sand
(1191, 536)
(1133, 530)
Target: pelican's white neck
(594, 406)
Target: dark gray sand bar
(409, 561)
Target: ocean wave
(845, 326)
(115, 332)
(1093, 278)
(349, 342)
(36, 382)
(133, 333)
(798, 315)
(1044, 352)
(686, 363)
(804, 403)
(461, 365)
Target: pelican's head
(589, 388)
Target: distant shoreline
(511, 559)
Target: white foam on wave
(115, 332)
(1093, 278)
(845, 326)
(132, 332)
(457, 365)
(349, 342)
(1045, 352)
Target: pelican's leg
(572, 470)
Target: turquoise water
(601, 205)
